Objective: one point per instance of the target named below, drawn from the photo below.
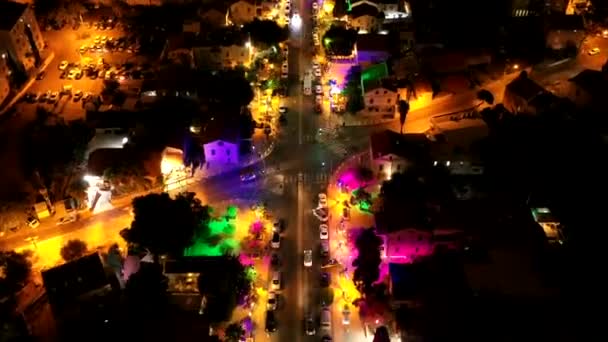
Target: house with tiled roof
(588, 89)
(524, 96)
(242, 12)
(372, 48)
(391, 152)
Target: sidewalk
(29, 83)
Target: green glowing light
(219, 241)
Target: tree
(368, 260)
(265, 33)
(364, 174)
(110, 87)
(485, 96)
(13, 213)
(353, 91)
(77, 190)
(15, 270)
(339, 41)
(73, 250)
(381, 335)
(165, 225)
(404, 108)
(146, 290)
(234, 332)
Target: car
(271, 322)
(325, 279)
(41, 75)
(285, 67)
(307, 91)
(317, 72)
(310, 326)
(322, 200)
(307, 258)
(44, 97)
(321, 213)
(72, 74)
(284, 75)
(274, 260)
(287, 9)
(346, 214)
(315, 5)
(319, 99)
(326, 338)
(54, 97)
(323, 232)
(318, 89)
(278, 226)
(83, 49)
(32, 222)
(325, 248)
(346, 315)
(271, 303)
(63, 65)
(275, 242)
(79, 74)
(315, 36)
(594, 51)
(318, 108)
(315, 65)
(326, 319)
(275, 282)
(248, 177)
(77, 95)
(66, 220)
(86, 97)
(283, 110)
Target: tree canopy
(146, 290)
(234, 332)
(368, 260)
(73, 250)
(265, 33)
(165, 225)
(353, 90)
(339, 41)
(15, 270)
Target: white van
(325, 319)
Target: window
(389, 100)
(385, 92)
(227, 151)
(220, 143)
(377, 92)
(381, 167)
(398, 167)
(371, 101)
(212, 152)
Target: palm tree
(404, 108)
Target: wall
(387, 165)
(221, 152)
(380, 101)
(406, 245)
(242, 12)
(367, 58)
(559, 39)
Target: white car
(271, 305)
(322, 200)
(66, 220)
(275, 282)
(318, 89)
(284, 75)
(32, 222)
(315, 5)
(287, 10)
(324, 232)
(594, 51)
(282, 110)
(308, 257)
(317, 72)
(315, 36)
(63, 65)
(315, 65)
(285, 67)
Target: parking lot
(84, 57)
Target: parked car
(310, 326)
(32, 222)
(323, 232)
(63, 65)
(319, 89)
(274, 260)
(325, 279)
(271, 322)
(271, 304)
(67, 219)
(322, 200)
(275, 283)
(282, 110)
(275, 242)
(346, 315)
(54, 97)
(278, 225)
(77, 95)
(594, 51)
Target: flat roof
(10, 12)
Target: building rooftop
(373, 42)
(104, 159)
(364, 9)
(66, 283)
(525, 88)
(10, 12)
(410, 145)
(565, 22)
(592, 81)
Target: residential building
(523, 95)
(5, 83)
(549, 223)
(391, 152)
(388, 5)
(214, 14)
(142, 2)
(524, 8)
(588, 89)
(221, 152)
(577, 6)
(380, 98)
(242, 11)
(365, 17)
(78, 287)
(221, 56)
(405, 246)
(565, 31)
(20, 37)
(372, 48)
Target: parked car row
(109, 44)
(275, 286)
